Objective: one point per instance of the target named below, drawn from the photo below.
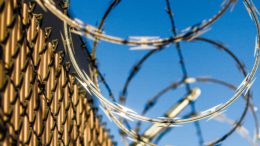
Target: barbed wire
(176, 85)
(184, 70)
(114, 109)
(151, 102)
(91, 32)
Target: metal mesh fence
(41, 102)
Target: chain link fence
(41, 102)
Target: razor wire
(114, 109)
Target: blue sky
(148, 17)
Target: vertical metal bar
(155, 129)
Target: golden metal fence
(41, 102)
